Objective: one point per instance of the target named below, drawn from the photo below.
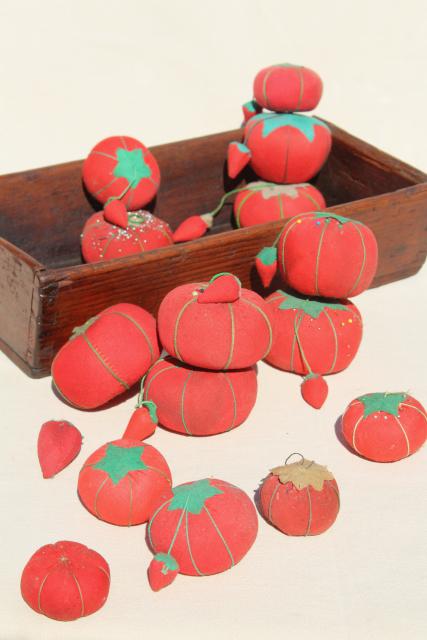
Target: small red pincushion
(124, 481)
(264, 202)
(230, 329)
(282, 147)
(206, 527)
(323, 254)
(323, 334)
(385, 427)
(287, 87)
(59, 442)
(198, 402)
(300, 499)
(106, 356)
(65, 581)
(122, 167)
(102, 240)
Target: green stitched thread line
(104, 364)
(221, 536)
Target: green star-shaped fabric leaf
(192, 497)
(387, 402)
(118, 461)
(131, 165)
(304, 124)
(312, 308)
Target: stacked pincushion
(282, 146)
(214, 334)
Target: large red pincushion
(199, 402)
(300, 499)
(385, 427)
(227, 333)
(283, 147)
(323, 254)
(262, 202)
(206, 527)
(287, 87)
(65, 581)
(124, 481)
(328, 333)
(122, 167)
(102, 240)
(106, 356)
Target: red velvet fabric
(330, 341)
(199, 402)
(102, 240)
(382, 436)
(65, 581)
(287, 88)
(59, 442)
(286, 155)
(110, 356)
(211, 541)
(134, 498)
(299, 512)
(275, 202)
(102, 184)
(232, 335)
(322, 256)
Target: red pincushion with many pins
(385, 427)
(124, 481)
(325, 334)
(106, 356)
(300, 499)
(122, 167)
(206, 527)
(198, 402)
(264, 202)
(65, 581)
(287, 87)
(281, 147)
(103, 240)
(323, 254)
(216, 325)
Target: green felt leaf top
(131, 165)
(250, 106)
(268, 256)
(242, 147)
(311, 307)
(118, 461)
(334, 216)
(192, 497)
(304, 124)
(387, 402)
(169, 562)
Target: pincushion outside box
(46, 290)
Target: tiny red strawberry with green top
(162, 571)
(116, 213)
(266, 265)
(143, 421)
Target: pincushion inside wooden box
(46, 290)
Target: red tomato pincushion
(206, 527)
(106, 356)
(281, 147)
(323, 254)
(323, 334)
(102, 240)
(65, 581)
(123, 168)
(300, 499)
(124, 481)
(216, 325)
(385, 427)
(199, 402)
(262, 202)
(287, 87)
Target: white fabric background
(74, 72)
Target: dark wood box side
(70, 296)
(19, 305)
(193, 180)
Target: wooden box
(46, 290)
